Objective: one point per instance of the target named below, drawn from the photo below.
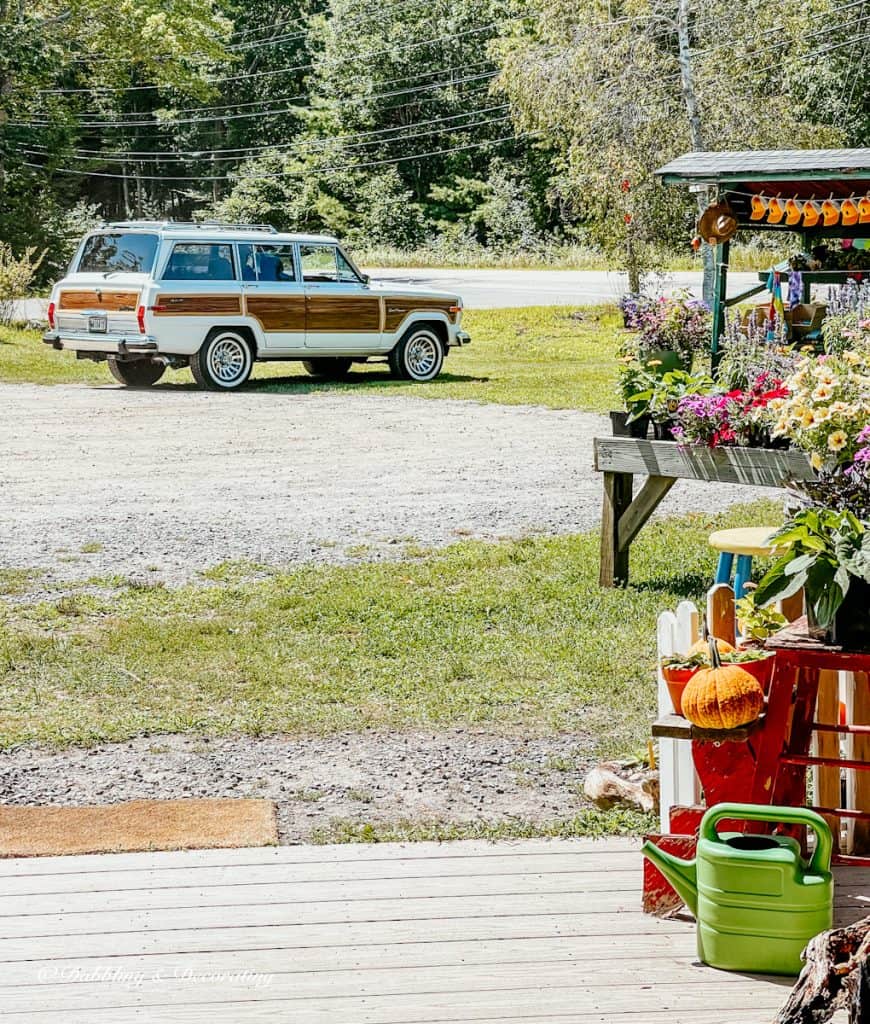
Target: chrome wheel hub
(227, 360)
(422, 355)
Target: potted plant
(757, 623)
(672, 330)
(664, 394)
(827, 553)
(633, 419)
(677, 670)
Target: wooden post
(861, 752)
(618, 489)
(826, 778)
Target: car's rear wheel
(332, 368)
(224, 362)
(419, 355)
(138, 373)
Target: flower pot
(621, 428)
(663, 431)
(677, 680)
(851, 626)
(761, 669)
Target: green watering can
(756, 900)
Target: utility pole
(690, 98)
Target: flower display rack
(662, 463)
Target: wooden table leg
(618, 490)
(826, 778)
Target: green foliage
(16, 276)
(825, 549)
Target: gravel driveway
(164, 484)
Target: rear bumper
(110, 344)
(459, 339)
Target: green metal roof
(771, 164)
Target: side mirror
(366, 279)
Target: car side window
(346, 273)
(200, 261)
(267, 262)
(319, 263)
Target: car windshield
(118, 252)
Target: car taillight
(51, 315)
(140, 319)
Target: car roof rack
(201, 224)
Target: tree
(619, 88)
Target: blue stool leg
(723, 569)
(743, 574)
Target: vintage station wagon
(217, 297)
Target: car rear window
(118, 252)
(200, 261)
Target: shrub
(16, 276)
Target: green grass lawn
(514, 635)
(563, 358)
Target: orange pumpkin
(701, 645)
(722, 696)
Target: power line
(290, 174)
(292, 151)
(240, 152)
(300, 67)
(447, 83)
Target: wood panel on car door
(342, 317)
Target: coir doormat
(135, 826)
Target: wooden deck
(539, 931)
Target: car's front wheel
(332, 368)
(138, 373)
(224, 362)
(419, 355)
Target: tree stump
(836, 976)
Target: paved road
(499, 289)
(494, 289)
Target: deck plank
(502, 933)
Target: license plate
(98, 324)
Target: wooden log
(836, 976)
(606, 789)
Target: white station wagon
(216, 297)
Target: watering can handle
(821, 859)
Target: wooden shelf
(675, 727)
(759, 467)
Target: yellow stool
(747, 542)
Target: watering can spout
(680, 873)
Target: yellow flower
(838, 440)
(838, 407)
(654, 362)
(808, 418)
(816, 461)
(821, 414)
